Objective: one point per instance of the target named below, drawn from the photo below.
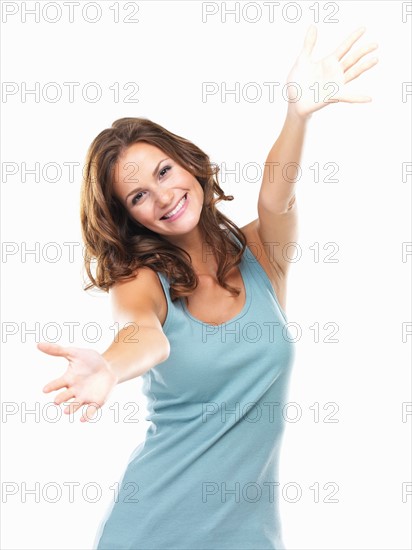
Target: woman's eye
(163, 169)
(162, 172)
(135, 199)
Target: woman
(202, 305)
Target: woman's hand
(88, 378)
(323, 82)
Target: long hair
(118, 245)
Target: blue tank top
(206, 475)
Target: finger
(56, 384)
(73, 407)
(64, 396)
(87, 415)
(350, 61)
(86, 418)
(354, 99)
(357, 70)
(348, 43)
(310, 40)
(53, 349)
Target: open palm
(320, 83)
(87, 380)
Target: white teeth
(178, 207)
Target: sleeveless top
(206, 475)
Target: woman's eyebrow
(160, 162)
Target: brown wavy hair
(118, 245)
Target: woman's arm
(140, 345)
(135, 350)
(277, 191)
(311, 86)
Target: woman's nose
(165, 198)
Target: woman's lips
(180, 212)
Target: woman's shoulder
(141, 292)
(259, 250)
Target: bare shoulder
(258, 249)
(260, 252)
(140, 297)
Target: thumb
(53, 349)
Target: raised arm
(311, 86)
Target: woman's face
(151, 186)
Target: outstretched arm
(312, 86)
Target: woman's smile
(177, 211)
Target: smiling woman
(149, 201)
(213, 348)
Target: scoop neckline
(248, 296)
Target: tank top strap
(170, 305)
(259, 275)
(245, 261)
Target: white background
(169, 53)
